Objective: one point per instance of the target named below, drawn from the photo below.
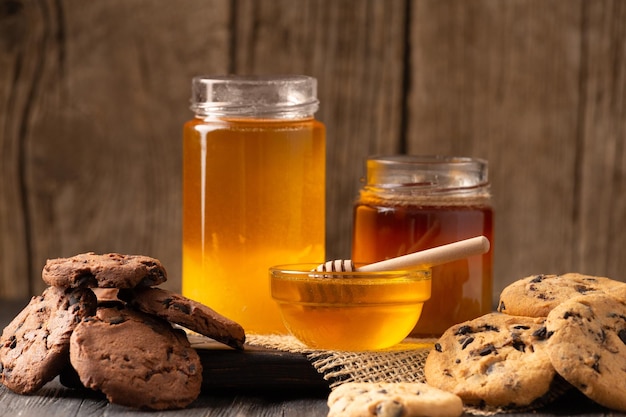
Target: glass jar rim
(308, 272)
(426, 172)
(273, 96)
(428, 160)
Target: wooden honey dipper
(426, 258)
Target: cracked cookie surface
(136, 360)
(586, 343)
(111, 270)
(536, 295)
(492, 360)
(187, 313)
(34, 347)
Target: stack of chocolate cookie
(551, 332)
(121, 343)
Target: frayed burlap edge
(401, 363)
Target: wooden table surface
(291, 400)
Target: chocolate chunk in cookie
(585, 338)
(34, 347)
(112, 270)
(492, 360)
(392, 400)
(536, 295)
(187, 313)
(136, 360)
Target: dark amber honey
(461, 290)
(412, 203)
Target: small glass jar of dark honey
(412, 203)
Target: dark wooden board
(256, 369)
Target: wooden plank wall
(93, 95)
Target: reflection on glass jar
(412, 203)
(253, 191)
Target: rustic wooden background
(93, 95)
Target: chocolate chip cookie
(136, 360)
(112, 270)
(492, 360)
(536, 295)
(392, 400)
(34, 347)
(187, 313)
(585, 338)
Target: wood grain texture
(55, 400)
(97, 100)
(19, 56)
(600, 218)
(93, 96)
(508, 81)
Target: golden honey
(253, 196)
(354, 311)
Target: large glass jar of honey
(412, 203)
(253, 191)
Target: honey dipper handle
(431, 257)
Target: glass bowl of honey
(349, 311)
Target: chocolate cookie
(112, 270)
(34, 347)
(187, 313)
(136, 360)
(492, 360)
(536, 295)
(392, 400)
(586, 343)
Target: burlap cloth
(401, 363)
